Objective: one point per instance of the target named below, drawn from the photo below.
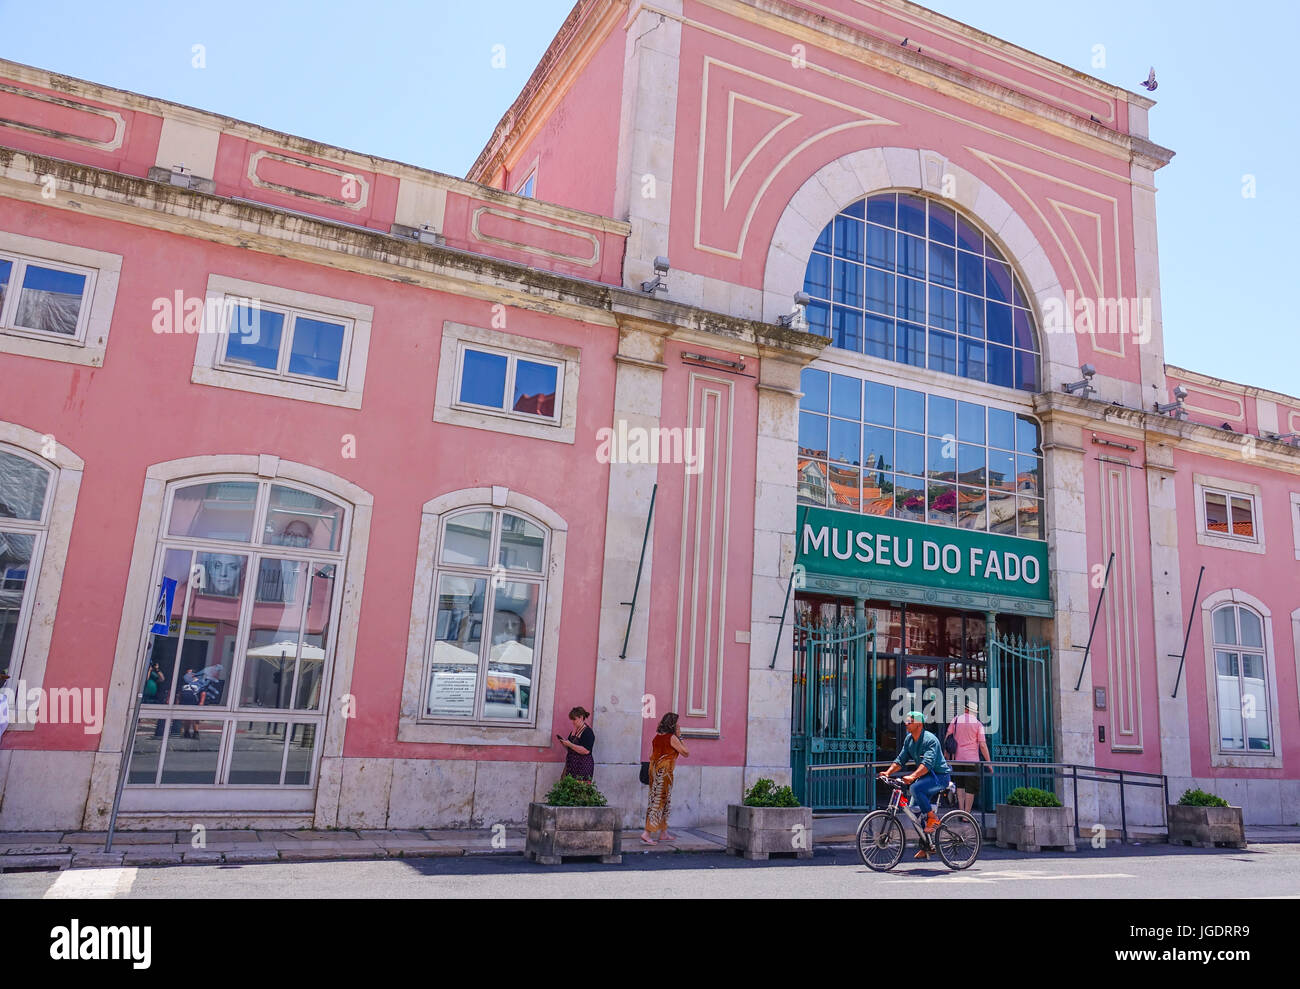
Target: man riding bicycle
(932, 773)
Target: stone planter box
(1031, 829)
(556, 833)
(758, 832)
(1206, 827)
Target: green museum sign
(868, 547)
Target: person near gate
(968, 744)
(932, 772)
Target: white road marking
(992, 877)
(92, 884)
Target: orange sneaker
(931, 822)
(922, 854)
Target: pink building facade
(396, 436)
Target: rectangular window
(284, 342)
(1230, 514)
(512, 385)
(45, 299)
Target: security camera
(796, 318)
(1085, 386)
(1174, 408)
(660, 280)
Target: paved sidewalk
(31, 850)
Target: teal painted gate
(834, 712)
(1020, 680)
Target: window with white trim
(236, 688)
(48, 300)
(288, 343)
(1229, 514)
(485, 631)
(528, 186)
(514, 385)
(1241, 668)
(26, 489)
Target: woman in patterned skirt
(579, 762)
(665, 749)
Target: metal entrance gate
(1020, 679)
(834, 712)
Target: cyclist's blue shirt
(924, 751)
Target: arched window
(25, 493)
(489, 599)
(1241, 667)
(911, 280)
(235, 690)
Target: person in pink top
(971, 746)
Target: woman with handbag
(664, 750)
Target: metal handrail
(1064, 770)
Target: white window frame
(39, 529)
(49, 554)
(1237, 758)
(14, 290)
(524, 187)
(1204, 484)
(512, 363)
(281, 370)
(457, 337)
(102, 271)
(229, 711)
(1295, 521)
(212, 368)
(412, 725)
(1241, 651)
(490, 574)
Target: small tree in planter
(1034, 819)
(573, 820)
(770, 821)
(1205, 820)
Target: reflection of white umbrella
(450, 654)
(284, 651)
(512, 654)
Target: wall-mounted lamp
(797, 318)
(1085, 385)
(660, 280)
(1174, 408)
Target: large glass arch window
(911, 280)
(26, 488)
(489, 600)
(1241, 668)
(235, 691)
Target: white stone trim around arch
(136, 603)
(863, 173)
(32, 644)
(1234, 595)
(411, 726)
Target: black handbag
(645, 773)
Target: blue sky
(415, 82)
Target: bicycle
(881, 840)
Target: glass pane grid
(878, 285)
(926, 458)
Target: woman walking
(665, 749)
(579, 762)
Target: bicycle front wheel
(880, 841)
(958, 839)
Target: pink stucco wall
(1272, 578)
(140, 409)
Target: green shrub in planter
(1199, 798)
(1032, 796)
(764, 793)
(570, 792)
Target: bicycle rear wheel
(958, 839)
(880, 841)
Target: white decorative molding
(118, 121)
(412, 727)
(343, 176)
(1218, 759)
(517, 245)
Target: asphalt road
(1115, 873)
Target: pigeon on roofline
(1150, 85)
(903, 42)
